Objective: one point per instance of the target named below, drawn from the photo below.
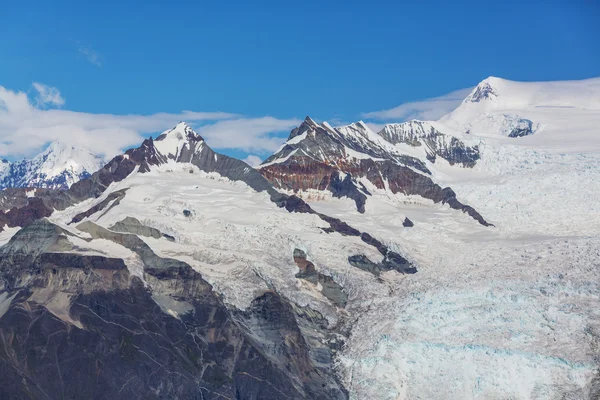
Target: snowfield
(510, 312)
(238, 239)
(504, 312)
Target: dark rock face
(319, 160)
(33, 210)
(347, 188)
(407, 223)
(391, 262)
(436, 143)
(81, 326)
(330, 289)
(112, 199)
(523, 127)
(132, 225)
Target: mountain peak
(308, 121)
(485, 90)
(181, 131)
(58, 166)
(173, 140)
(308, 124)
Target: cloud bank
(252, 160)
(427, 110)
(248, 134)
(28, 125)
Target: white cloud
(375, 127)
(249, 134)
(47, 95)
(428, 110)
(252, 160)
(26, 128)
(91, 55)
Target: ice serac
(341, 160)
(57, 167)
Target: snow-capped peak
(486, 90)
(359, 130)
(503, 108)
(59, 157)
(58, 166)
(311, 122)
(181, 131)
(172, 141)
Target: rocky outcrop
(522, 127)
(132, 225)
(326, 284)
(80, 326)
(483, 91)
(318, 156)
(294, 172)
(112, 200)
(435, 143)
(391, 262)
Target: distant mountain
(57, 167)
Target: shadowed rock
(321, 158)
(391, 262)
(132, 225)
(329, 288)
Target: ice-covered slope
(564, 115)
(510, 312)
(58, 167)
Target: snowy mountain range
(450, 259)
(57, 167)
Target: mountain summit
(352, 161)
(57, 167)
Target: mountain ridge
(175, 271)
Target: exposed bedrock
(132, 225)
(328, 286)
(82, 327)
(304, 173)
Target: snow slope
(237, 238)
(503, 312)
(499, 312)
(565, 114)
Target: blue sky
(331, 61)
